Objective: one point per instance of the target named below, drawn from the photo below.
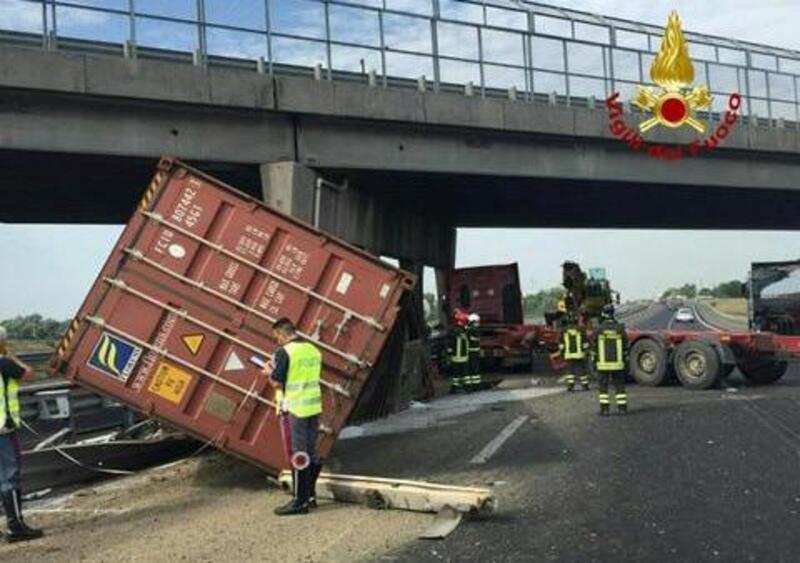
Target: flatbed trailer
(698, 360)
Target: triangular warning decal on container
(193, 342)
(234, 362)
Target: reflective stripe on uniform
(572, 343)
(609, 351)
(603, 398)
(460, 356)
(9, 403)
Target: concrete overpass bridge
(405, 159)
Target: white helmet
(474, 318)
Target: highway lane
(660, 317)
(687, 476)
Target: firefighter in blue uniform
(572, 347)
(609, 354)
(458, 351)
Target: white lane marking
(491, 448)
(699, 319)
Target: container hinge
(326, 429)
(97, 321)
(317, 330)
(340, 327)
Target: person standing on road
(474, 379)
(458, 352)
(12, 371)
(609, 351)
(572, 348)
(295, 374)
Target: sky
(50, 268)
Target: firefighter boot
(297, 505)
(622, 409)
(570, 383)
(604, 410)
(18, 530)
(585, 382)
(316, 469)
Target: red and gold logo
(674, 104)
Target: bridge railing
(489, 47)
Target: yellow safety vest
(303, 394)
(609, 351)
(460, 355)
(9, 403)
(572, 340)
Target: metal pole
(711, 88)
(769, 94)
(45, 26)
(566, 69)
(53, 12)
(796, 103)
(747, 83)
(268, 23)
(613, 40)
(201, 30)
(132, 22)
(480, 61)
(437, 71)
(529, 70)
(526, 65)
(383, 47)
(328, 53)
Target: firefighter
(295, 374)
(12, 371)
(609, 351)
(474, 379)
(458, 351)
(572, 347)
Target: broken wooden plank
(381, 493)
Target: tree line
(34, 327)
(729, 289)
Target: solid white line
(491, 448)
(699, 318)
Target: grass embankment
(735, 307)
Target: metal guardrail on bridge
(498, 47)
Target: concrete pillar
(290, 188)
(363, 216)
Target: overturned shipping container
(178, 322)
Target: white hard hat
(474, 318)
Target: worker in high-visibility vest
(295, 373)
(609, 354)
(458, 351)
(572, 347)
(474, 380)
(12, 371)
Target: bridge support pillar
(362, 215)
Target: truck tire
(763, 372)
(648, 362)
(697, 365)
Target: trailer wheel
(764, 372)
(648, 360)
(697, 365)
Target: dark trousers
(474, 368)
(303, 436)
(603, 380)
(9, 462)
(304, 432)
(576, 369)
(458, 373)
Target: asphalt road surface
(660, 317)
(686, 476)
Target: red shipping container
(179, 319)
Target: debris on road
(381, 493)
